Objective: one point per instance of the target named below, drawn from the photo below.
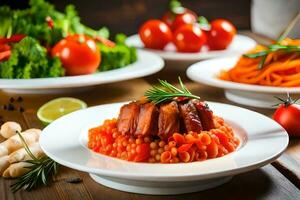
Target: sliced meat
(168, 120)
(190, 117)
(147, 120)
(205, 114)
(127, 120)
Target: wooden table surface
(278, 180)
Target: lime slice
(56, 108)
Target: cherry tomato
(170, 16)
(189, 38)
(183, 19)
(155, 34)
(288, 116)
(78, 53)
(220, 35)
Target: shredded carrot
(281, 69)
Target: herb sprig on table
(166, 92)
(42, 171)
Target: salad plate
(239, 45)
(146, 64)
(261, 141)
(207, 72)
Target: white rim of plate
(65, 145)
(239, 45)
(206, 72)
(147, 63)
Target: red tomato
(183, 19)
(220, 35)
(170, 16)
(78, 53)
(155, 34)
(288, 116)
(189, 38)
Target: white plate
(239, 45)
(147, 63)
(206, 72)
(262, 141)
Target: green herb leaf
(176, 7)
(204, 23)
(26, 146)
(42, 171)
(167, 92)
(272, 48)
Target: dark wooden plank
(42, 193)
(70, 190)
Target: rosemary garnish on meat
(42, 171)
(167, 92)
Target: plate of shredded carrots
(277, 65)
(255, 77)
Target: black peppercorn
(19, 99)
(10, 107)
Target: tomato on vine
(288, 115)
(177, 15)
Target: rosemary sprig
(167, 92)
(273, 48)
(41, 171)
(277, 46)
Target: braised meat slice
(168, 120)
(127, 120)
(190, 117)
(147, 120)
(205, 114)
